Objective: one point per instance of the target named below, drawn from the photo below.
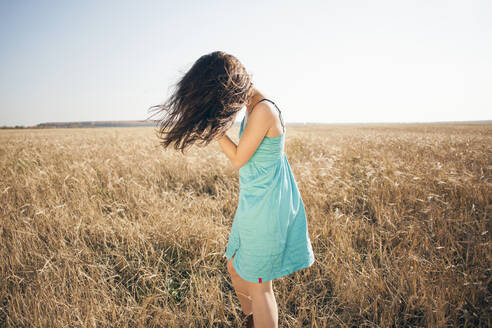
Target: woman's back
(269, 233)
(269, 150)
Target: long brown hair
(204, 102)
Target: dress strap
(279, 111)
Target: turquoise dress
(269, 234)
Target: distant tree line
(15, 127)
(91, 124)
(85, 124)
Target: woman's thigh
(251, 287)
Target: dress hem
(278, 274)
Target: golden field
(102, 228)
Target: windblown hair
(204, 102)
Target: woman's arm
(259, 122)
(229, 148)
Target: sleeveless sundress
(269, 234)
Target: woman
(269, 236)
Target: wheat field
(102, 228)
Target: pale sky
(319, 61)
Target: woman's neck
(257, 96)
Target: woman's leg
(265, 310)
(257, 298)
(240, 287)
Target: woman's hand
(258, 124)
(228, 127)
(228, 147)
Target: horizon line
(151, 122)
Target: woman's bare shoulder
(268, 113)
(265, 109)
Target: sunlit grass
(102, 228)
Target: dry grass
(100, 228)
